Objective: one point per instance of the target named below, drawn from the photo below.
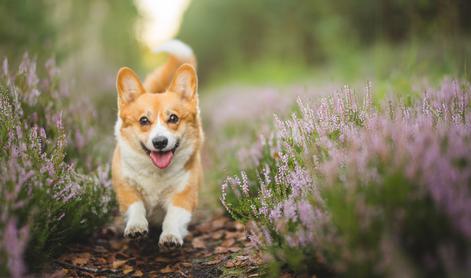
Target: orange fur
(188, 198)
(125, 194)
(159, 80)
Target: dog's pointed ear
(129, 86)
(185, 82)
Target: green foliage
(236, 35)
(24, 25)
(76, 32)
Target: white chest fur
(155, 185)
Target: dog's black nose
(160, 142)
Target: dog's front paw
(170, 241)
(137, 228)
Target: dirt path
(214, 248)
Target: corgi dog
(156, 167)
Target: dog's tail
(179, 54)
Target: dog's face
(159, 124)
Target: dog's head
(159, 124)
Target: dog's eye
(173, 119)
(144, 120)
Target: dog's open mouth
(161, 159)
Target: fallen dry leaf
(218, 223)
(59, 273)
(182, 273)
(213, 262)
(138, 274)
(230, 264)
(239, 226)
(206, 254)
(234, 249)
(220, 250)
(198, 243)
(163, 260)
(228, 242)
(217, 235)
(81, 259)
(166, 269)
(116, 244)
(127, 269)
(242, 237)
(153, 274)
(238, 263)
(118, 263)
(248, 245)
(101, 261)
(122, 254)
(231, 235)
(100, 249)
(204, 228)
(186, 264)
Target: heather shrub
(237, 118)
(52, 187)
(345, 187)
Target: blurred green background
(270, 41)
(356, 36)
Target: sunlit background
(160, 20)
(245, 41)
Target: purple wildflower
(15, 242)
(245, 183)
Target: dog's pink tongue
(161, 159)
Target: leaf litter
(210, 247)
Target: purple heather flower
(289, 209)
(79, 140)
(14, 242)
(5, 67)
(254, 240)
(300, 180)
(52, 70)
(275, 213)
(103, 173)
(267, 236)
(306, 213)
(245, 183)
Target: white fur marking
(136, 219)
(117, 127)
(175, 224)
(161, 130)
(177, 48)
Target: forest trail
(215, 247)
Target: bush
(52, 189)
(347, 188)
